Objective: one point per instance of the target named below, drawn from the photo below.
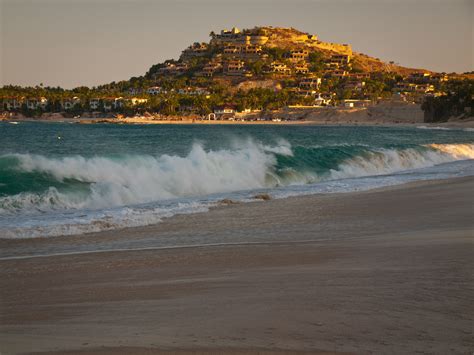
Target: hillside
(269, 52)
(258, 69)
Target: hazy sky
(89, 42)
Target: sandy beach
(386, 271)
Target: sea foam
(140, 190)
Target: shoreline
(384, 271)
(458, 124)
(382, 114)
(5, 243)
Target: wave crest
(132, 180)
(143, 179)
(387, 161)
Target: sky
(71, 43)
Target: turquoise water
(60, 178)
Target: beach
(385, 271)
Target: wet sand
(386, 272)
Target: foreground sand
(385, 272)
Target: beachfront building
(70, 103)
(12, 103)
(113, 103)
(94, 103)
(224, 112)
(36, 103)
(352, 103)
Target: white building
(155, 90)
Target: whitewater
(107, 177)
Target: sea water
(63, 179)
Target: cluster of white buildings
(41, 103)
(16, 103)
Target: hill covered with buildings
(259, 69)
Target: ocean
(64, 179)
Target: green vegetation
(458, 102)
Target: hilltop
(269, 52)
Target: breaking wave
(106, 192)
(387, 161)
(104, 182)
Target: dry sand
(383, 272)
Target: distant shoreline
(383, 114)
(139, 121)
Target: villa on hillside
(301, 68)
(299, 55)
(354, 85)
(420, 77)
(173, 69)
(309, 83)
(278, 68)
(193, 91)
(156, 90)
(195, 50)
(340, 59)
(210, 69)
(235, 67)
(359, 76)
(438, 78)
(401, 87)
(338, 73)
